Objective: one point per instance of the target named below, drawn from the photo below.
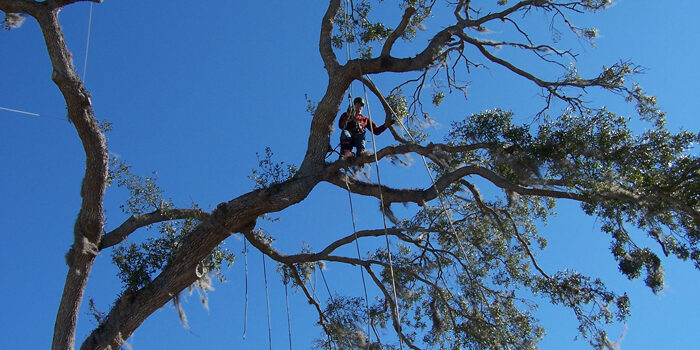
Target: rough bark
(90, 222)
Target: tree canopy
(454, 264)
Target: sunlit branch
(425, 150)
(392, 195)
(462, 5)
(386, 49)
(389, 114)
(325, 44)
(119, 234)
(481, 47)
(21, 6)
(325, 253)
(502, 14)
(536, 49)
(62, 3)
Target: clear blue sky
(194, 90)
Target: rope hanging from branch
(245, 308)
(381, 197)
(267, 298)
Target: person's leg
(358, 141)
(346, 143)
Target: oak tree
(463, 259)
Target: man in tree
(354, 126)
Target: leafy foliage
(139, 262)
(271, 173)
(649, 180)
(144, 193)
(355, 25)
(345, 318)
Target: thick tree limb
(325, 253)
(237, 215)
(62, 3)
(428, 150)
(325, 45)
(388, 111)
(422, 60)
(386, 49)
(433, 50)
(419, 196)
(119, 234)
(29, 7)
(90, 222)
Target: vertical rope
(359, 257)
(314, 284)
(289, 322)
(381, 198)
(330, 296)
(87, 44)
(432, 179)
(326, 283)
(439, 195)
(267, 298)
(386, 234)
(245, 308)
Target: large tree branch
(62, 3)
(90, 223)
(325, 44)
(420, 196)
(433, 50)
(389, 114)
(237, 215)
(325, 253)
(405, 20)
(424, 59)
(21, 6)
(430, 150)
(119, 234)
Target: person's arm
(378, 129)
